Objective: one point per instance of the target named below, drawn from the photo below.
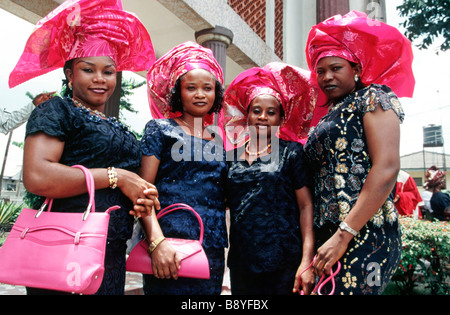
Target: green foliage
(425, 256)
(427, 20)
(9, 211)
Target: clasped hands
(147, 204)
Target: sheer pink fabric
(384, 54)
(166, 70)
(85, 28)
(291, 85)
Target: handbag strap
(323, 280)
(91, 191)
(182, 206)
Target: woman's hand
(306, 281)
(165, 261)
(143, 194)
(330, 252)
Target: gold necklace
(190, 126)
(257, 152)
(92, 111)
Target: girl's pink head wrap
(290, 85)
(85, 28)
(384, 54)
(169, 68)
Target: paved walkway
(133, 286)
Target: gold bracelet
(155, 244)
(112, 176)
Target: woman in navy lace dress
(353, 152)
(187, 165)
(63, 132)
(271, 235)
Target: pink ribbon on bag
(323, 280)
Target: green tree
(426, 21)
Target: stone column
(218, 39)
(329, 8)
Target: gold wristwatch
(155, 244)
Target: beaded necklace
(258, 152)
(97, 116)
(92, 111)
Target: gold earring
(356, 78)
(69, 85)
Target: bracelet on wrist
(155, 244)
(112, 176)
(344, 227)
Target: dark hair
(66, 91)
(176, 104)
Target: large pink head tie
(384, 54)
(85, 28)
(290, 85)
(169, 68)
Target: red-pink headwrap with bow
(290, 85)
(169, 68)
(384, 54)
(85, 28)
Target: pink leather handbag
(57, 251)
(194, 263)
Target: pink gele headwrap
(169, 68)
(384, 54)
(293, 88)
(85, 28)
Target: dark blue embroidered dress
(94, 143)
(265, 235)
(191, 171)
(338, 158)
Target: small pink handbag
(194, 263)
(57, 251)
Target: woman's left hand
(145, 206)
(330, 252)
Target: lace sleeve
(152, 141)
(381, 95)
(53, 118)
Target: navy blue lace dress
(338, 157)
(93, 143)
(265, 236)
(192, 171)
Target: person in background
(353, 152)
(11, 121)
(271, 230)
(407, 197)
(426, 210)
(185, 160)
(439, 202)
(63, 132)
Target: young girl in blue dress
(271, 235)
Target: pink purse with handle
(194, 263)
(55, 250)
